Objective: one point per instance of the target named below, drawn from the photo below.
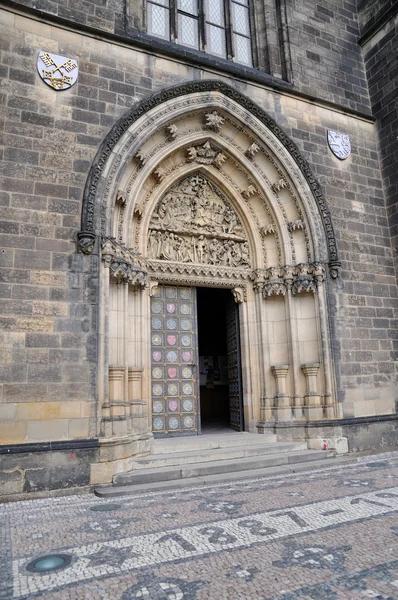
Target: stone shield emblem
(59, 72)
(340, 144)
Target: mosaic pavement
(325, 535)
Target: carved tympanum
(194, 223)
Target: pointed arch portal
(197, 187)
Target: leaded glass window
(219, 27)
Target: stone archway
(262, 230)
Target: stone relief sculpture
(194, 223)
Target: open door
(234, 367)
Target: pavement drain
(105, 507)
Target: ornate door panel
(234, 368)
(174, 360)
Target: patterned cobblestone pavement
(322, 535)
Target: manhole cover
(50, 562)
(381, 463)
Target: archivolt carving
(124, 264)
(98, 188)
(275, 281)
(194, 223)
(206, 154)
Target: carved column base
(313, 409)
(266, 408)
(282, 410)
(298, 404)
(138, 414)
(115, 410)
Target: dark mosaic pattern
(321, 535)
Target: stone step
(211, 442)
(210, 455)
(114, 491)
(141, 476)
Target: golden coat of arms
(59, 72)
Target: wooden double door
(175, 384)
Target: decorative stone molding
(121, 198)
(203, 271)
(172, 131)
(153, 288)
(159, 174)
(279, 185)
(206, 154)
(305, 277)
(141, 158)
(249, 192)
(85, 242)
(252, 150)
(214, 121)
(267, 229)
(295, 225)
(124, 264)
(239, 294)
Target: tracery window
(218, 27)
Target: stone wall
(313, 45)
(380, 49)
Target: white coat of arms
(340, 144)
(59, 72)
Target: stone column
(291, 317)
(115, 409)
(313, 410)
(137, 404)
(283, 411)
(333, 410)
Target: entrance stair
(199, 460)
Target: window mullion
(173, 20)
(202, 25)
(228, 29)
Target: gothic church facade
(198, 226)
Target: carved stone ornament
(85, 242)
(59, 72)
(249, 192)
(239, 294)
(124, 264)
(340, 144)
(141, 158)
(279, 185)
(334, 268)
(252, 150)
(275, 281)
(267, 229)
(194, 223)
(172, 131)
(295, 225)
(214, 121)
(206, 154)
(91, 211)
(121, 197)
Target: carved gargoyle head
(85, 242)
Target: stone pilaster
(313, 410)
(283, 411)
